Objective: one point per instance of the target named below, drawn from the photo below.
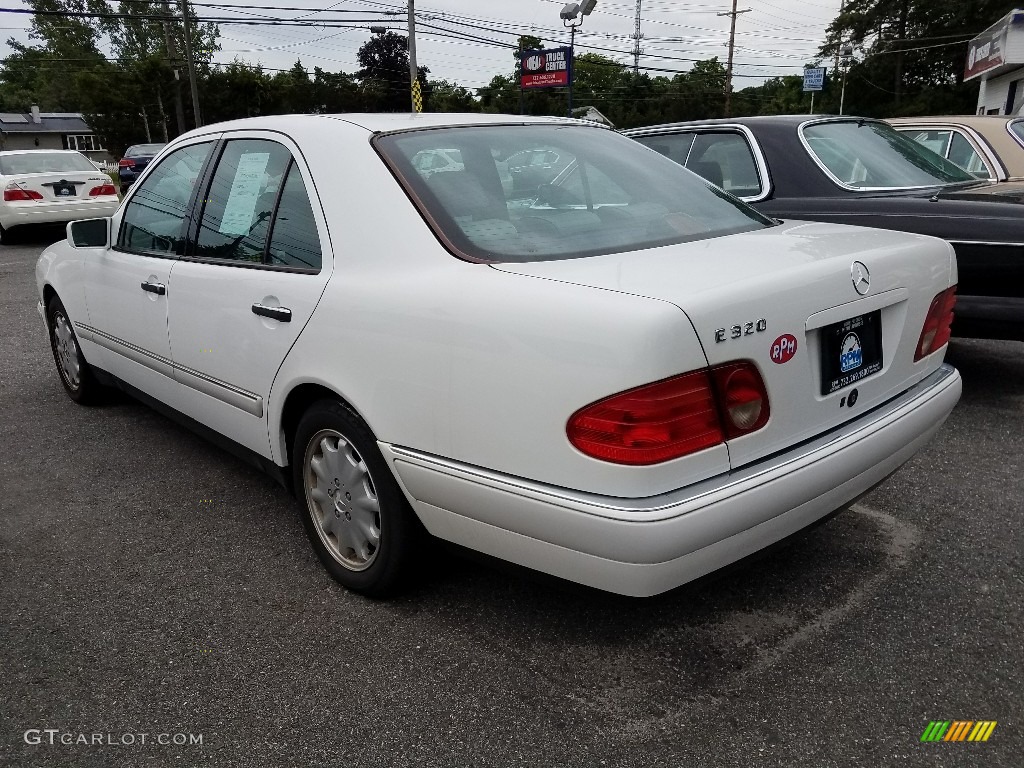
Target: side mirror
(89, 233)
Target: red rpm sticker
(783, 348)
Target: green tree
(443, 96)
(910, 54)
(240, 90)
(384, 59)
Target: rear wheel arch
(299, 400)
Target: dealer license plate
(851, 350)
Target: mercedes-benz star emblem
(861, 278)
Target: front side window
(547, 192)
(154, 219)
(871, 155)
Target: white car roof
(383, 122)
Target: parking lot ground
(151, 583)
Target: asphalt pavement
(155, 589)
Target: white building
(996, 58)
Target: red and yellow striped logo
(958, 730)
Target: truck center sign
(544, 69)
(988, 51)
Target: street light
(846, 56)
(572, 16)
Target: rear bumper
(56, 212)
(645, 546)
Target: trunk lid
(62, 186)
(783, 298)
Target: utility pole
(172, 55)
(414, 72)
(636, 40)
(835, 66)
(191, 63)
(732, 41)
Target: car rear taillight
(126, 163)
(743, 398)
(650, 424)
(935, 333)
(672, 418)
(13, 192)
(103, 189)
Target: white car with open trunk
(619, 375)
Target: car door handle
(158, 288)
(283, 314)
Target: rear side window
(543, 192)
(241, 199)
(936, 140)
(675, 146)
(294, 242)
(257, 209)
(154, 219)
(963, 153)
(725, 159)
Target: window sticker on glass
(245, 190)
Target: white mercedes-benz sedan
(614, 373)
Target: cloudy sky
(459, 40)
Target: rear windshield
(546, 192)
(870, 155)
(143, 150)
(44, 162)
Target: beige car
(988, 146)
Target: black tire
(83, 387)
(338, 500)
(124, 190)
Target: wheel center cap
(340, 510)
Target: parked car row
(864, 172)
(626, 377)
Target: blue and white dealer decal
(850, 355)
